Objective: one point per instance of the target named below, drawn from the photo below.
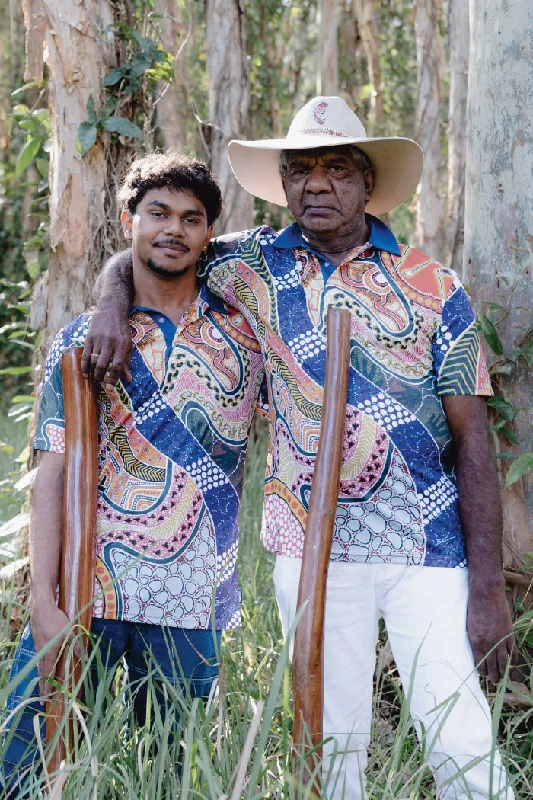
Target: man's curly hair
(170, 170)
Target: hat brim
(398, 164)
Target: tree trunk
(172, 104)
(68, 35)
(229, 104)
(367, 15)
(328, 77)
(429, 235)
(498, 258)
(458, 35)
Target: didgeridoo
(78, 539)
(308, 655)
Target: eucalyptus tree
(498, 257)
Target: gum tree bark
(367, 15)
(328, 73)
(67, 36)
(459, 35)
(498, 258)
(429, 235)
(172, 105)
(229, 104)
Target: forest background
(85, 86)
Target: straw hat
(329, 122)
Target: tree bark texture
(328, 75)
(67, 35)
(459, 36)
(498, 257)
(229, 104)
(172, 105)
(429, 236)
(367, 15)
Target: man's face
(326, 191)
(168, 230)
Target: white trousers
(424, 609)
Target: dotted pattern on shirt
(154, 405)
(227, 562)
(306, 345)
(437, 497)
(206, 474)
(385, 411)
(235, 621)
(444, 339)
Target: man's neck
(172, 297)
(338, 248)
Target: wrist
(481, 583)
(42, 598)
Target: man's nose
(174, 225)
(318, 180)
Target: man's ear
(208, 236)
(369, 178)
(127, 222)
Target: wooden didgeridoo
(308, 655)
(79, 533)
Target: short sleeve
(458, 359)
(50, 428)
(222, 259)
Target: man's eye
(337, 168)
(191, 220)
(157, 213)
(300, 170)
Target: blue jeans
(186, 658)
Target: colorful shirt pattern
(172, 445)
(414, 338)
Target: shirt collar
(381, 237)
(205, 299)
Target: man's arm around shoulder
(108, 341)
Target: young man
(172, 445)
(418, 528)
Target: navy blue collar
(206, 296)
(381, 237)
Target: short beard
(166, 274)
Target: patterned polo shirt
(172, 445)
(414, 339)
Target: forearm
(45, 530)
(480, 507)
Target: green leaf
(28, 153)
(33, 269)
(506, 456)
(114, 77)
(139, 67)
(43, 165)
(86, 137)
(503, 430)
(521, 466)
(503, 407)
(507, 368)
(91, 111)
(491, 335)
(123, 126)
(22, 398)
(15, 371)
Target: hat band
(324, 132)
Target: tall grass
(238, 745)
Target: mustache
(171, 243)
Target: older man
(418, 528)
